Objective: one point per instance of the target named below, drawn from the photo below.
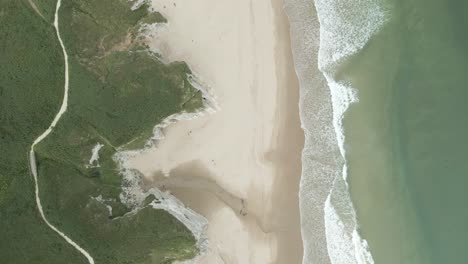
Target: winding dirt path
(32, 157)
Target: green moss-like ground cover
(31, 90)
(46, 8)
(118, 92)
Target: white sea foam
(337, 30)
(345, 246)
(345, 27)
(320, 156)
(341, 250)
(342, 96)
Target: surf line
(32, 157)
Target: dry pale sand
(239, 167)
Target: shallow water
(401, 66)
(320, 164)
(406, 137)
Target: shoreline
(239, 167)
(330, 234)
(320, 154)
(289, 249)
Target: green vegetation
(31, 90)
(46, 8)
(118, 91)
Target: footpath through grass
(31, 90)
(118, 92)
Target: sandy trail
(32, 157)
(239, 167)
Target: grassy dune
(118, 91)
(31, 89)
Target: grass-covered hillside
(118, 92)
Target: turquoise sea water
(406, 138)
(384, 106)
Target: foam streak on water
(345, 27)
(323, 36)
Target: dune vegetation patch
(119, 90)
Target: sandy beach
(240, 166)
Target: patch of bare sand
(239, 167)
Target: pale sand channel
(239, 167)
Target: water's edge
(323, 35)
(320, 151)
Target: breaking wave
(324, 34)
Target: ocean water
(384, 86)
